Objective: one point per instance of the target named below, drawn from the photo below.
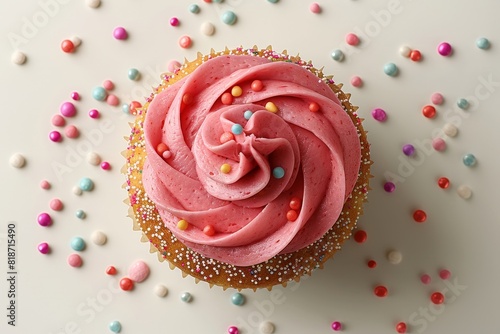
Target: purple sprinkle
(67, 109)
(389, 187)
(379, 114)
(444, 49)
(44, 219)
(44, 248)
(409, 149)
(120, 33)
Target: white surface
(461, 235)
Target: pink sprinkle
(75, 96)
(356, 81)
(55, 136)
(437, 98)
(44, 219)
(185, 42)
(174, 22)
(112, 100)
(173, 66)
(138, 271)
(315, 8)
(75, 260)
(58, 120)
(105, 165)
(120, 33)
(426, 279)
(352, 39)
(167, 154)
(389, 187)
(44, 184)
(67, 109)
(444, 274)
(444, 49)
(43, 248)
(94, 113)
(56, 204)
(108, 85)
(379, 114)
(439, 144)
(71, 131)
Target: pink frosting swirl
(319, 153)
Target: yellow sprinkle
(182, 224)
(225, 168)
(271, 107)
(236, 91)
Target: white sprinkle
(394, 257)
(405, 51)
(93, 3)
(76, 41)
(93, 158)
(450, 130)
(17, 160)
(464, 192)
(99, 238)
(207, 28)
(18, 57)
(266, 327)
(76, 190)
(161, 290)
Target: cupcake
(247, 168)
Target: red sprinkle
(415, 55)
(371, 264)
(295, 203)
(111, 270)
(419, 216)
(292, 215)
(126, 284)
(437, 298)
(360, 236)
(67, 46)
(226, 98)
(257, 85)
(443, 182)
(380, 291)
(161, 148)
(314, 107)
(209, 230)
(401, 327)
(226, 136)
(429, 111)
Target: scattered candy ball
(58, 120)
(401, 327)
(450, 130)
(115, 326)
(360, 236)
(56, 204)
(77, 191)
(463, 103)
(483, 43)
(182, 224)
(44, 219)
(133, 74)
(443, 182)
(55, 136)
(257, 85)
(389, 187)
(94, 113)
(352, 39)
(86, 184)
(237, 129)
(120, 33)
(174, 22)
(17, 160)
(315, 8)
(437, 298)
(138, 271)
(126, 284)
(419, 216)
(437, 98)
(313, 107)
(78, 244)
(464, 192)
(444, 274)
(266, 327)
(111, 270)
(237, 299)
(98, 238)
(74, 260)
(67, 46)
(415, 55)
(229, 17)
(295, 203)
(185, 41)
(209, 230)
(44, 184)
(112, 100)
(278, 172)
(75, 96)
(380, 291)
(236, 91)
(233, 330)
(391, 69)
(292, 215)
(469, 160)
(371, 264)
(99, 93)
(71, 131)
(76, 41)
(225, 168)
(444, 49)
(405, 51)
(429, 111)
(408, 150)
(270, 106)
(173, 66)
(379, 114)
(93, 3)
(247, 114)
(394, 257)
(105, 165)
(439, 144)
(194, 8)
(80, 214)
(336, 326)
(207, 28)
(356, 81)
(426, 279)
(43, 248)
(186, 297)
(337, 55)
(18, 58)
(108, 85)
(160, 290)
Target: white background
(461, 235)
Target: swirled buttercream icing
(241, 137)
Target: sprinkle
(391, 69)
(295, 203)
(408, 150)
(247, 114)
(182, 224)
(93, 158)
(174, 22)
(76, 40)
(120, 33)
(44, 219)
(371, 264)
(415, 55)
(111, 270)
(186, 297)
(207, 28)
(160, 290)
(185, 42)
(67, 46)
(469, 160)
(464, 192)
(126, 284)
(273, 1)
(444, 274)
(394, 257)
(313, 107)
(80, 214)
(463, 103)
(405, 51)
(173, 66)
(336, 326)
(98, 238)
(93, 3)
(187, 98)
(74, 260)
(44, 184)
(67, 109)
(226, 99)
(133, 74)
(379, 114)
(443, 182)
(75, 96)
(115, 327)
(138, 271)
(76, 190)
(360, 236)
(483, 43)
(437, 298)
(425, 279)
(292, 215)
(112, 100)
(194, 8)
(337, 55)
(401, 327)
(78, 244)
(278, 172)
(17, 160)
(225, 168)
(315, 8)
(352, 39)
(450, 130)
(437, 98)
(257, 85)
(58, 120)
(233, 330)
(225, 137)
(237, 129)
(72, 132)
(56, 204)
(105, 165)
(209, 230)
(270, 106)
(18, 57)
(356, 81)
(444, 49)
(236, 91)
(389, 187)
(266, 327)
(237, 299)
(108, 84)
(439, 144)
(229, 17)
(43, 248)
(126, 108)
(99, 93)
(86, 184)
(419, 216)
(429, 111)
(55, 136)
(94, 113)
(380, 291)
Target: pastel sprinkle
(94, 113)
(76, 190)
(67, 109)
(18, 57)
(371, 264)
(173, 66)
(444, 274)
(270, 106)
(44, 219)
(273, 1)
(408, 150)
(237, 129)
(247, 114)
(379, 114)
(75, 96)
(425, 279)
(99, 93)
(278, 172)
(174, 22)
(405, 51)
(336, 326)
(207, 28)
(126, 284)
(71, 131)
(415, 55)
(257, 85)
(236, 91)
(133, 74)
(356, 81)
(464, 192)
(76, 40)
(225, 137)
(126, 108)
(266, 327)
(115, 326)
(108, 85)
(194, 8)
(483, 43)
(56, 204)
(292, 215)
(238, 299)
(352, 39)
(80, 214)
(58, 120)
(17, 160)
(93, 158)
(74, 260)
(55, 136)
(160, 290)
(105, 165)
(186, 297)
(337, 55)
(112, 100)
(182, 224)
(138, 271)
(233, 330)
(391, 69)
(86, 184)
(463, 103)
(437, 98)
(394, 257)
(389, 187)
(227, 98)
(315, 8)
(98, 238)
(225, 168)
(78, 244)
(185, 42)
(450, 130)
(439, 144)
(43, 248)
(229, 17)
(444, 49)
(469, 160)
(44, 184)
(120, 33)
(209, 230)
(93, 3)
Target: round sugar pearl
(99, 93)
(185, 41)
(464, 192)
(55, 136)
(315, 8)
(67, 109)
(67, 46)
(229, 17)
(337, 55)
(120, 33)
(237, 129)
(444, 274)
(115, 326)
(105, 165)
(419, 216)
(56, 204)
(44, 184)
(483, 43)
(186, 297)
(207, 28)
(443, 182)
(76, 190)
(133, 74)
(78, 244)
(415, 55)
(444, 49)
(391, 69)
(389, 187)
(108, 85)
(401, 327)
(173, 66)
(17, 160)
(237, 299)
(405, 51)
(425, 279)
(160, 290)
(429, 111)
(356, 81)
(408, 150)
(76, 40)
(379, 114)
(380, 291)
(194, 8)
(98, 238)
(86, 184)
(112, 100)
(463, 103)
(257, 85)
(111, 270)
(126, 284)
(58, 120)
(437, 98)
(74, 260)
(352, 39)
(138, 271)
(18, 57)
(43, 248)
(437, 298)
(450, 130)
(266, 327)
(469, 160)
(278, 172)
(394, 257)
(233, 330)
(75, 96)
(360, 236)
(439, 144)
(94, 113)
(247, 114)
(93, 3)
(80, 214)
(174, 22)
(71, 131)
(336, 326)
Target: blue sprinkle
(247, 114)
(391, 69)
(469, 160)
(229, 17)
(115, 327)
(194, 8)
(337, 55)
(78, 244)
(238, 299)
(80, 214)
(273, 1)
(133, 74)
(483, 43)
(126, 108)
(186, 297)
(86, 184)
(463, 103)
(99, 93)
(278, 172)
(237, 129)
